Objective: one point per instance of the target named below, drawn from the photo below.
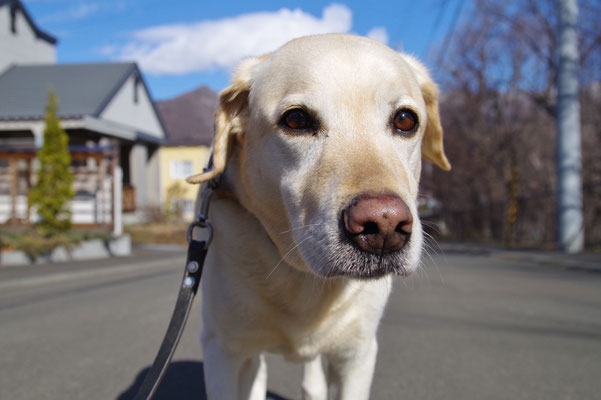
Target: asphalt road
(469, 325)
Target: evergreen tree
(53, 189)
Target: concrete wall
(138, 115)
(22, 47)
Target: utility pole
(569, 164)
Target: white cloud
(83, 10)
(108, 50)
(210, 45)
(80, 11)
(379, 33)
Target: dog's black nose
(378, 224)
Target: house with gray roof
(105, 108)
(21, 40)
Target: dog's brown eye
(405, 121)
(297, 119)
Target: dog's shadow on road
(184, 380)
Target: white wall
(138, 172)
(140, 115)
(23, 47)
(91, 210)
(153, 183)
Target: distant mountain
(188, 118)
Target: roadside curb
(86, 250)
(587, 261)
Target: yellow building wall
(175, 161)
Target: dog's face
(323, 140)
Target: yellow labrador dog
(319, 145)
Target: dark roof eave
(187, 143)
(40, 34)
(45, 36)
(115, 89)
(153, 103)
(133, 70)
(145, 137)
(39, 118)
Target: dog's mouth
(338, 256)
(374, 237)
(369, 237)
(350, 261)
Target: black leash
(197, 250)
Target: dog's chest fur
(280, 309)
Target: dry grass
(159, 233)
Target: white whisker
(286, 255)
(299, 227)
(428, 248)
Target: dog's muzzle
(377, 224)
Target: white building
(107, 111)
(21, 41)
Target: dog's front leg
(230, 376)
(314, 381)
(253, 379)
(351, 372)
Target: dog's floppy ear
(230, 118)
(432, 148)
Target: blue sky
(183, 44)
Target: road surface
(472, 324)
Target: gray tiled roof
(82, 89)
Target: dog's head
(323, 142)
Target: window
(182, 208)
(188, 207)
(180, 169)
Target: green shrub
(53, 190)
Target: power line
(450, 32)
(441, 11)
